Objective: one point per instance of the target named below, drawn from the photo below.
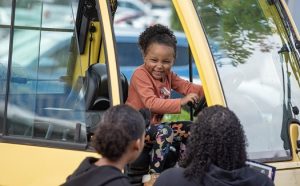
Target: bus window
(129, 54)
(39, 70)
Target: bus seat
(91, 92)
(95, 88)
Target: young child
(150, 87)
(119, 139)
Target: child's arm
(185, 87)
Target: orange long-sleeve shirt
(147, 92)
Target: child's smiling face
(158, 59)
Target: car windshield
(257, 68)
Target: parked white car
(133, 13)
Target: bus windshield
(257, 71)
(36, 96)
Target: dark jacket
(91, 175)
(216, 177)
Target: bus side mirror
(295, 141)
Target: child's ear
(135, 150)
(138, 144)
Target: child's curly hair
(157, 34)
(119, 126)
(218, 138)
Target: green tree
(175, 22)
(236, 26)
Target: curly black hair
(218, 138)
(157, 34)
(119, 126)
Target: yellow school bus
(60, 69)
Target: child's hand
(192, 97)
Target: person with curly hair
(151, 85)
(215, 154)
(119, 139)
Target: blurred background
(294, 6)
(143, 13)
